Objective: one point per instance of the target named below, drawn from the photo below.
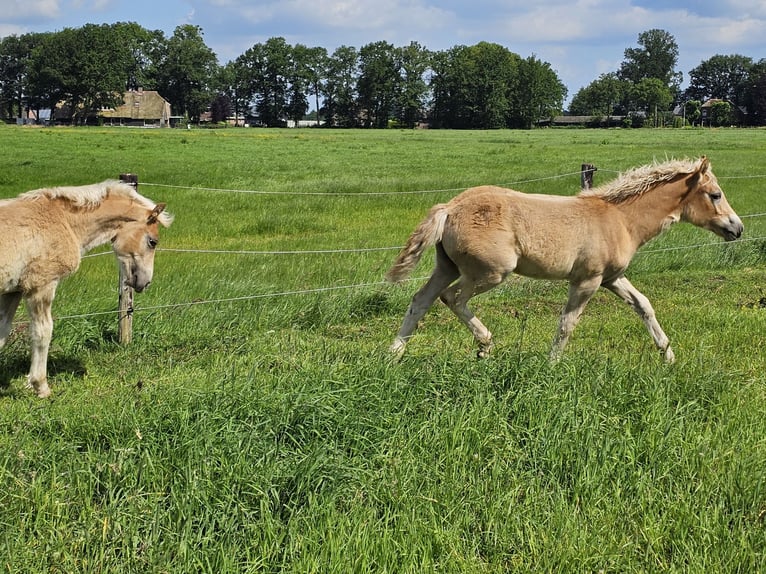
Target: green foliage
(600, 97)
(185, 72)
(246, 429)
(720, 77)
(656, 58)
(721, 114)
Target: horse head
(135, 243)
(705, 204)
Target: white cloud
(749, 9)
(10, 30)
(15, 10)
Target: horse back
(536, 235)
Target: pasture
(255, 424)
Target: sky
(580, 39)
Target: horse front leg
(40, 330)
(625, 290)
(579, 295)
(9, 302)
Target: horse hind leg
(443, 274)
(456, 297)
(41, 330)
(9, 302)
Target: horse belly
(27, 273)
(11, 270)
(544, 269)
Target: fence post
(125, 304)
(586, 175)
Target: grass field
(255, 425)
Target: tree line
(647, 85)
(376, 86)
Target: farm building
(141, 108)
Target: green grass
(267, 432)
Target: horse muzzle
(139, 287)
(732, 228)
(136, 277)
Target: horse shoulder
(40, 247)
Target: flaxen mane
(639, 180)
(90, 196)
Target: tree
(721, 114)
(540, 94)
(475, 87)
(720, 77)
(378, 83)
(652, 96)
(602, 97)
(220, 108)
(84, 68)
(413, 61)
(231, 83)
(755, 94)
(656, 58)
(310, 66)
(274, 85)
(144, 49)
(185, 72)
(692, 110)
(15, 55)
(249, 70)
(340, 87)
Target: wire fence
(244, 252)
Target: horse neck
(97, 226)
(652, 212)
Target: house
(738, 114)
(141, 108)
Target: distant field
(255, 425)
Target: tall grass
(247, 429)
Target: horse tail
(427, 233)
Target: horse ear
(154, 215)
(704, 164)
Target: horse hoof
(396, 351)
(484, 351)
(42, 390)
(669, 356)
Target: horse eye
(152, 242)
(715, 196)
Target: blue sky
(581, 39)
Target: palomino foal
(44, 234)
(486, 233)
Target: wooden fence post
(586, 175)
(125, 305)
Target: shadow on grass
(16, 364)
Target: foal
(486, 233)
(44, 234)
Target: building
(141, 108)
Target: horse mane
(92, 195)
(637, 181)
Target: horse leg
(625, 290)
(456, 297)
(9, 302)
(41, 328)
(444, 273)
(579, 295)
